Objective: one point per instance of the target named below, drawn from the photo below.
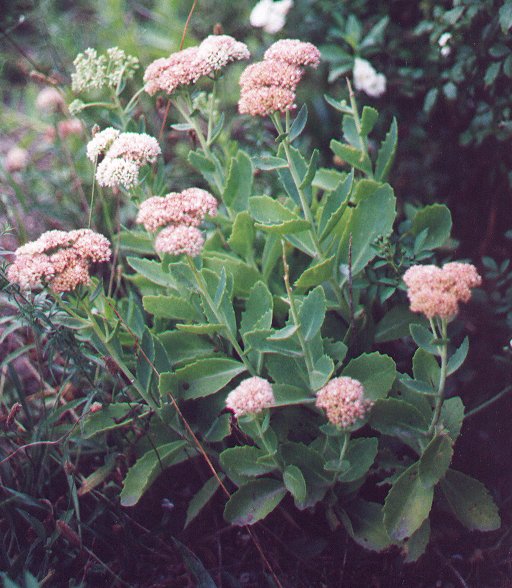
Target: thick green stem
(357, 122)
(306, 351)
(268, 449)
(231, 337)
(304, 203)
(442, 378)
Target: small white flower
(269, 15)
(367, 80)
(443, 41)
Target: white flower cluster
(367, 80)
(270, 15)
(95, 71)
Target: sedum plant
(245, 336)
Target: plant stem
(343, 452)
(210, 113)
(264, 442)
(488, 402)
(303, 200)
(293, 311)
(231, 337)
(442, 378)
(357, 122)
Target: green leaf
(147, 469)
(110, 417)
(220, 429)
(170, 307)
(254, 501)
(244, 274)
(202, 329)
(204, 165)
(268, 162)
(328, 179)
(452, 416)
(312, 167)
(458, 358)
(258, 309)
(262, 341)
(400, 419)
(181, 347)
(242, 235)
(137, 241)
(286, 178)
(387, 153)
(424, 338)
(295, 483)
(426, 368)
(375, 371)
(312, 313)
(270, 215)
(239, 182)
(316, 273)
(201, 378)
(373, 217)
(395, 324)
(407, 504)
(417, 544)
(436, 460)
(334, 205)
(505, 16)
(246, 461)
(470, 502)
(354, 157)
(369, 117)
(437, 220)
(361, 454)
(298, 124)
(153, 271)
(364, 523)
(201, 499)
(193, 564)
(322, 372)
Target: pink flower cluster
(343, 401)
(269, 86)
(58, 258)
(180, 213)
(124, 154)
(437, 292)
(187, 66)
(250, 397)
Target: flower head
(49, 99)
(265, 100)
(437, 292)
(271, 73)
(69, 126)
(294, 51)
(216, 51)
(270, 15)
(101, 141)
(250, 397)
(58, 258)
(186, 208)
(16, 159)
(366, 79)
(93, 71)
(179, 240)
(137, 147)
(185, 67)
(115, 172)
(343, 401)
